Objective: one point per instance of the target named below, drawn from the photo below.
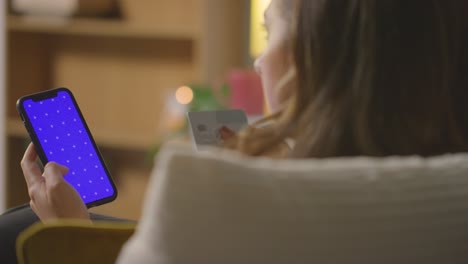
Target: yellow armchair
(72, 242)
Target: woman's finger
(31, 171)
(53, 173)
(226, 133)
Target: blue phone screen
(64, 139)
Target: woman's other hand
(226, 133)
(51, 196)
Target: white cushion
(221, 207)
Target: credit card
(205, 126)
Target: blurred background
(135, 67)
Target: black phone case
(39, 149)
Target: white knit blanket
(221, 207)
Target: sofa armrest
(72, 242)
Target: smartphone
(205, 125)
(60, 134)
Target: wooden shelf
(112, 139)
(97, 28)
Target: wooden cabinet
(120, 71)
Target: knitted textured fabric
(218, 207)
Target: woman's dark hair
(381, 77)
(373, 78)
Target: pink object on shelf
(246, 91)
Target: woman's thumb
(54, 172)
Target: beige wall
(2, 106)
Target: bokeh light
(184, 95)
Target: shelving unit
(2, 110)
(98, 27)
(121, 74)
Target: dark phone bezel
(39, 149)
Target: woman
(343, 78)
(370, 77)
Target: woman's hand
(51, 196)
(226, 133)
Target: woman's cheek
(271, 100)
(268, 81)
(271, 66)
